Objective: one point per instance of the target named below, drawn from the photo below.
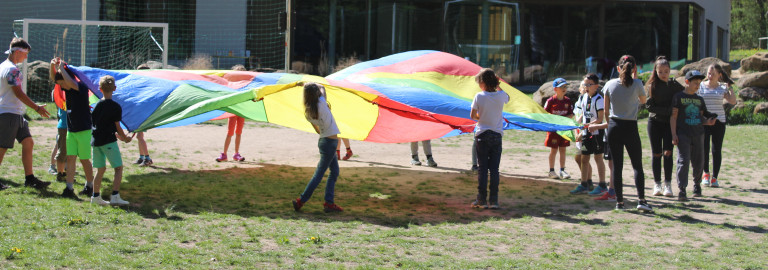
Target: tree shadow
(383, 196)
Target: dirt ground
(523, 170)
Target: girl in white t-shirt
(318, 112)
(716, 88)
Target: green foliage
(737, 55)
(748, 22)
(744, 115)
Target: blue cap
(559, 82)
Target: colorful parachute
(405, 97)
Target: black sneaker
(87, 191)
(697, 191)
(139, 161)
(643, 206)
(36, 183)
(682, 196)
(620, 206)
(61, 177)
(69, 193)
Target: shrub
(744, 115)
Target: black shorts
(15, 127)
(593, 145)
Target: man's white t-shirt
(490, 106)
(10, 76)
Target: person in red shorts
(561, 105)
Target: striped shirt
(713, 98)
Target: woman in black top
(660, 89)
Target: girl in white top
(716, 88)
(318, 112)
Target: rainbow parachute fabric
(405, 97)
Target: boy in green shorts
(106, 123)
(78, 129)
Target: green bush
(744, 115)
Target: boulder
(681, 80)
(703, 64)
(159, 65)
(753, 93)
(761, 108)
(39, 85)
(547, 90)
(757, 79)
(756, 62)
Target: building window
(709, 39)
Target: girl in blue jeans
(487, 109)
(318, 113)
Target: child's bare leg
(600, 168)
(142, 144)
(71, 167)
(118, 179)
(586, 168)
(562, 156)
(226, 144)
(237, 143)
(88, 169)
(97, 180)
(552, 154)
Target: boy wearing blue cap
(689, 115)
(561, 105)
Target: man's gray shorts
(13, 126)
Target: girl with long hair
(716, 88)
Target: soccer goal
(100, 44)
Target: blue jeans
(488, 159)
(328, 159)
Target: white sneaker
(564, 175)
(99, 200)
(668, 190)
(553, 175)
(117, 201)
(657, 189)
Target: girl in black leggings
(716, 88)
(660, 92)
(622, 99)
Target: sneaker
(705, 179)
(643, 206)
(431, 162)
(347, 155)
(147, 162)
(606, 197)
(3, 186)
(331, 207)
(564, 175)
(553, 175)
(69, 193)
(668, 190)
(415, 162)
(36, 183)
(681, 196)
(238, 157)
(619, 206)
(99, 201)
(297, 204)
(222, 157)
(52, 170)
(657, 189)
(116, 200)
(61, 177)
(86, 191)
(696, 191)
(598, 191)
(139, 161)
(714, 183)
(579, 190)
(479, 204)
(493, 205)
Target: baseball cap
(559, 82)
(694, 74)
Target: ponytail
(627, 63)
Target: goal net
(100, 44)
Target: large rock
(703, 64)
(39, 85)
(159, 65)
(547, 90)
(753, 93)
(681, 80)
(757, 79)
(761, 108)
(757, 62)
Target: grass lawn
(242, 218)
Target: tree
(749, 21)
